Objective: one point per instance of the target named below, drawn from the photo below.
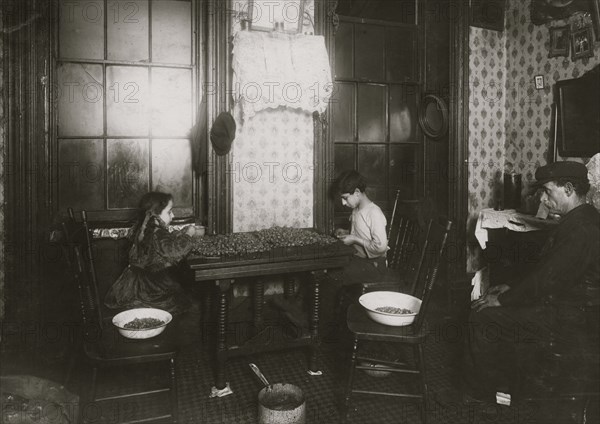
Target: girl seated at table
(148, 281)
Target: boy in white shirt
(367, 229)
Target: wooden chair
(365, 329)
(406, 231)
(103, 346)
(406, 234)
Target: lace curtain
(277, 69)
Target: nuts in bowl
(391, 308)
(142, 323)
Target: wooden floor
(323, 393)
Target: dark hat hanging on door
(222, 133)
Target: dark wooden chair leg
(421, 367)
(173, 391)
(94, 382)
(348, 393)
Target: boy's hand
(190, 230)
(347, 239)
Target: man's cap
(566, 169)
(222, 133)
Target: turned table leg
(313, 366)
(222, 292)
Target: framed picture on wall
(596, 17)
(488, 14)
(559, 41)
(582, 43)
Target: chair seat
(365, 328)
(110, 346)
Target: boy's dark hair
(349, 181)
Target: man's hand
(487, 301)
(190, 230)
(498, 290)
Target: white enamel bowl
(124, 317)
(377, 299)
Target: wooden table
(308, 261)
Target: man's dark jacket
(568, 272)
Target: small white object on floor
(314, 372)
(503, 398)
(214, 392)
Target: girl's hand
(190, 230)
(341, 232)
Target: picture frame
(582, 43)
(487, 14)
(559, 41)
(283, 15)
(595, 12)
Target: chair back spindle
(434, 251)
(81, 256)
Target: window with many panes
(374, 127)
(125, 102)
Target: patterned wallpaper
(528, 127)
(487, 120)
(513, 133)
(272, 160)
(272, 170)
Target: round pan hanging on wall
(433, 116)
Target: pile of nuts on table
(259, 241)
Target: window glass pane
(372, 165)
(127, 172)
(172, 169)
(80, 174)
(403, 170)
(171, 102)
(127, 101)
(345, 155)
(81, 29)
(127, 26)
(172, 32)
(342, 103)
(371, 113)
(80, 99)
(403, 113)
(370, 43)
(344, 51)
(401, 54)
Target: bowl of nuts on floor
(391, 308)
(142, 323)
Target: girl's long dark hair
(150, 206)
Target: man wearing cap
(514, 319)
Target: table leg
(313, 367)
(221, 386)
(289, 287)
(259, 299)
